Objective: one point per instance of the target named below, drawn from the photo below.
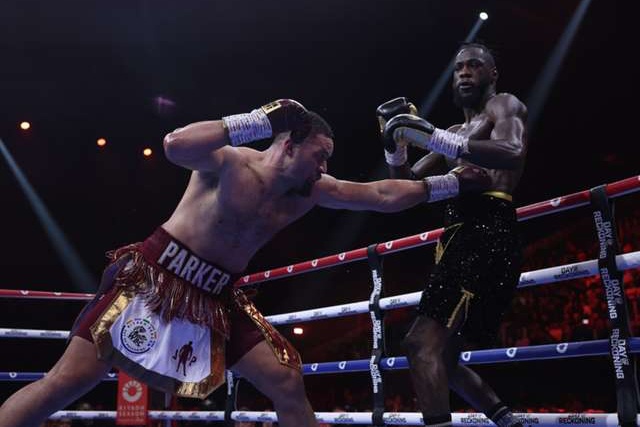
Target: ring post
(624, 364)
(378, 348)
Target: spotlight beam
(78, 272)
(540, 92)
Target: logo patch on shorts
(138, 335)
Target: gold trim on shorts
(104, 344)
(440, 248)
(499, 195)
(465, 300)
(283, 350)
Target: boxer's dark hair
(489, 53)
(319, 126)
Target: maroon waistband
(167, 252)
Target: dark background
(83, 70)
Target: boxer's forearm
(394, 195)
(495, 153)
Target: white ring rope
(530, 278)
(391, 418)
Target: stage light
(101, 142)
(298, 331)
(545, 81)
(25, 125)
(147, 152)
(484, 16)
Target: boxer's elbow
(514, 157)
(505, 154)
(173, 145)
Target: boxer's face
(473, 74)
(310, 161)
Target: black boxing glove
(404, 122)
(392, 108)
(395, 155)
(283, 115)
(416, 131)
(400, 122)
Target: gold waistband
(499, 195)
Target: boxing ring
(609, 266)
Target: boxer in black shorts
(479, 255)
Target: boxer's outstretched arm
(393, 195)
(389, 195)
